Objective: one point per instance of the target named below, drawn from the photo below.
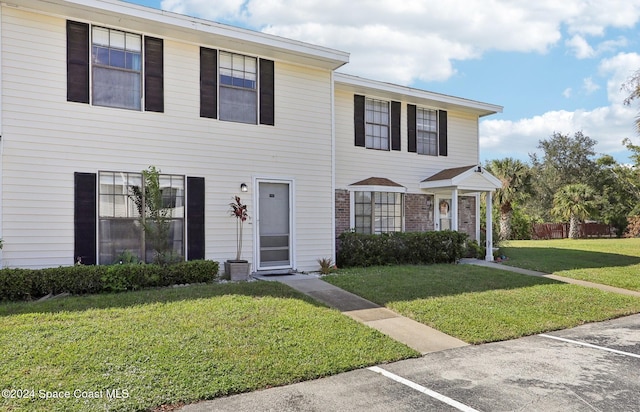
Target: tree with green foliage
(516, 187)
(574, 202)
(632, 86)
(618, 191)
(155, 215)
(565, 160)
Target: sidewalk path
(417, 336)
(528, 272)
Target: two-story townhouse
(96, 91)
(408, 159)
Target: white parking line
(633, 355)
(459, 406)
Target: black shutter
(195, 218)
(395, 125)
(84, 218)
(77, 62)
(208, 83)
(153, 75)
(267, 100)
(358, 119)
(442, 132)
(411, 128)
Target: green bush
(474, 250)
(25, 284)
(400, 248)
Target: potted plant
(238, 269)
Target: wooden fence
(561, 230)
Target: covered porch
(449, 184)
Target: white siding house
(93, 92)
(54, 144)
(407, 159)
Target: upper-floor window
(236, 87)
(377, 124)
(427, 131)
(114, 68)
(116, 58)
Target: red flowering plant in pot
(238, 269)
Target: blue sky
(555, 66)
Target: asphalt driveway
(594, 367)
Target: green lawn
(174, 345)
(478, 304)
(614, 262)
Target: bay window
(378, 212)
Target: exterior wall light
(243, 187)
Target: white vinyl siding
(46, 139)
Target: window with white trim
(116, 68)
(378, 212)
(377, 124)
(120, 232)
(238, 88)
(427, 131)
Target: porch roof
(468, 179)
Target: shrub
(473, 250)
(25, 284)
(400, 248)
(326, 265)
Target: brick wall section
(418, 212)
(467, 215)
(343, 206)
(418, 209)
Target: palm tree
(575, 202)
(516, 186)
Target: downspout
(1, 141)
(478, 197)
(333, 168)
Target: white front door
(274, 225)
(443, 213)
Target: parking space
(593, 367)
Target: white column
(489, 233)
(477, 215)
(454, 209)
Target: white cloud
(589, 86)
(608, 125)
(567, 92)
(580, 47)
(220, 10)
(424, 36)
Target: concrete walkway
(528, 272)
(417, 336)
